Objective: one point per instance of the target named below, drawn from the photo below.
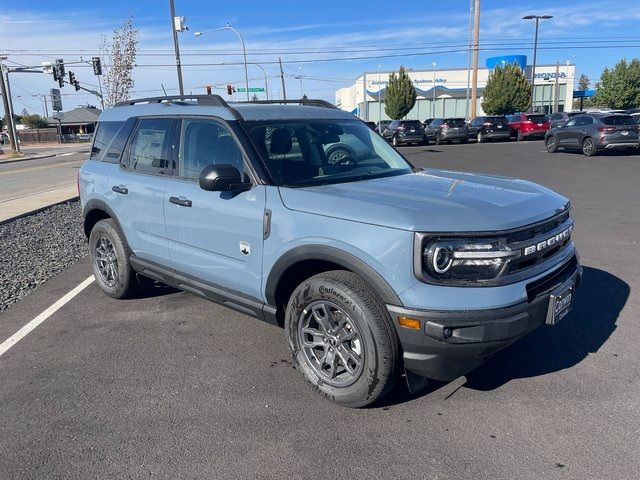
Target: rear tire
(480, 137)
(519, 136)
(110, 263)
(438, 140)
(342, 338)
(589, 147)
(394, 141)
(551, 144)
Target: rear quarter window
(103, 137)
(110, 139)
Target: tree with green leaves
(619, 88)
(34, 121)
(507, 91)
(400, 96)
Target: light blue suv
(375, 268)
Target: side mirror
(222, 178)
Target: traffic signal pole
(8, 107)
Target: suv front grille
(539, 243)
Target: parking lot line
(24, 331)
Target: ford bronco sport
(375, 268)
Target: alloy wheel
(106, 261)
(331, 343)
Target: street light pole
(176, 46)
(244, 51)
(537, 18)
(266, 83)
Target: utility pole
(8, 108)
(476, 46)
(176, 46)
(466, 111)
(46, 108)
(284, 91)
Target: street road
(32, 184)
(171, 386)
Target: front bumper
(473, 336)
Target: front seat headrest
(281, 142)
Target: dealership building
(443, 93)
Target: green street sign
(251, 89)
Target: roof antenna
(165, 92)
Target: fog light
(412, 323)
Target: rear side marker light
(412, 323)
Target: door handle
(120, 189)
(183, 202)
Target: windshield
(618, 120)
(309, 152)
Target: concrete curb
(24, 159)
(38, 210)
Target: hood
(431, 201)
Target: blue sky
(322, 42)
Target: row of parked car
(586, 131)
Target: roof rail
(302, 101)
(215, 100)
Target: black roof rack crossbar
(215, 100)
(302, 101)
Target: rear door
(215, 237)
(137, 188)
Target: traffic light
(58, 72)
(73, 81)
(60, 67)
(230, 89)
(208, 89)
(97, 65)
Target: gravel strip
(36, 248)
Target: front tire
(394, 141)
(480, 137)
(342, 338)
(110, 263)
(551, 144)
(438, 139)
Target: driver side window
(206, 142)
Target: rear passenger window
(152, 146)
(102, 139)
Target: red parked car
(528, 125)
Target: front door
(214, 236)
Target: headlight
(466, 259)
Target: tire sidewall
(551, 148)
(107, 229)
(592, 152)
(320, 288)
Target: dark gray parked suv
(594, 132)
(403, 132)
(442, 130)
(489, 128)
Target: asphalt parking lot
(170, 386)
